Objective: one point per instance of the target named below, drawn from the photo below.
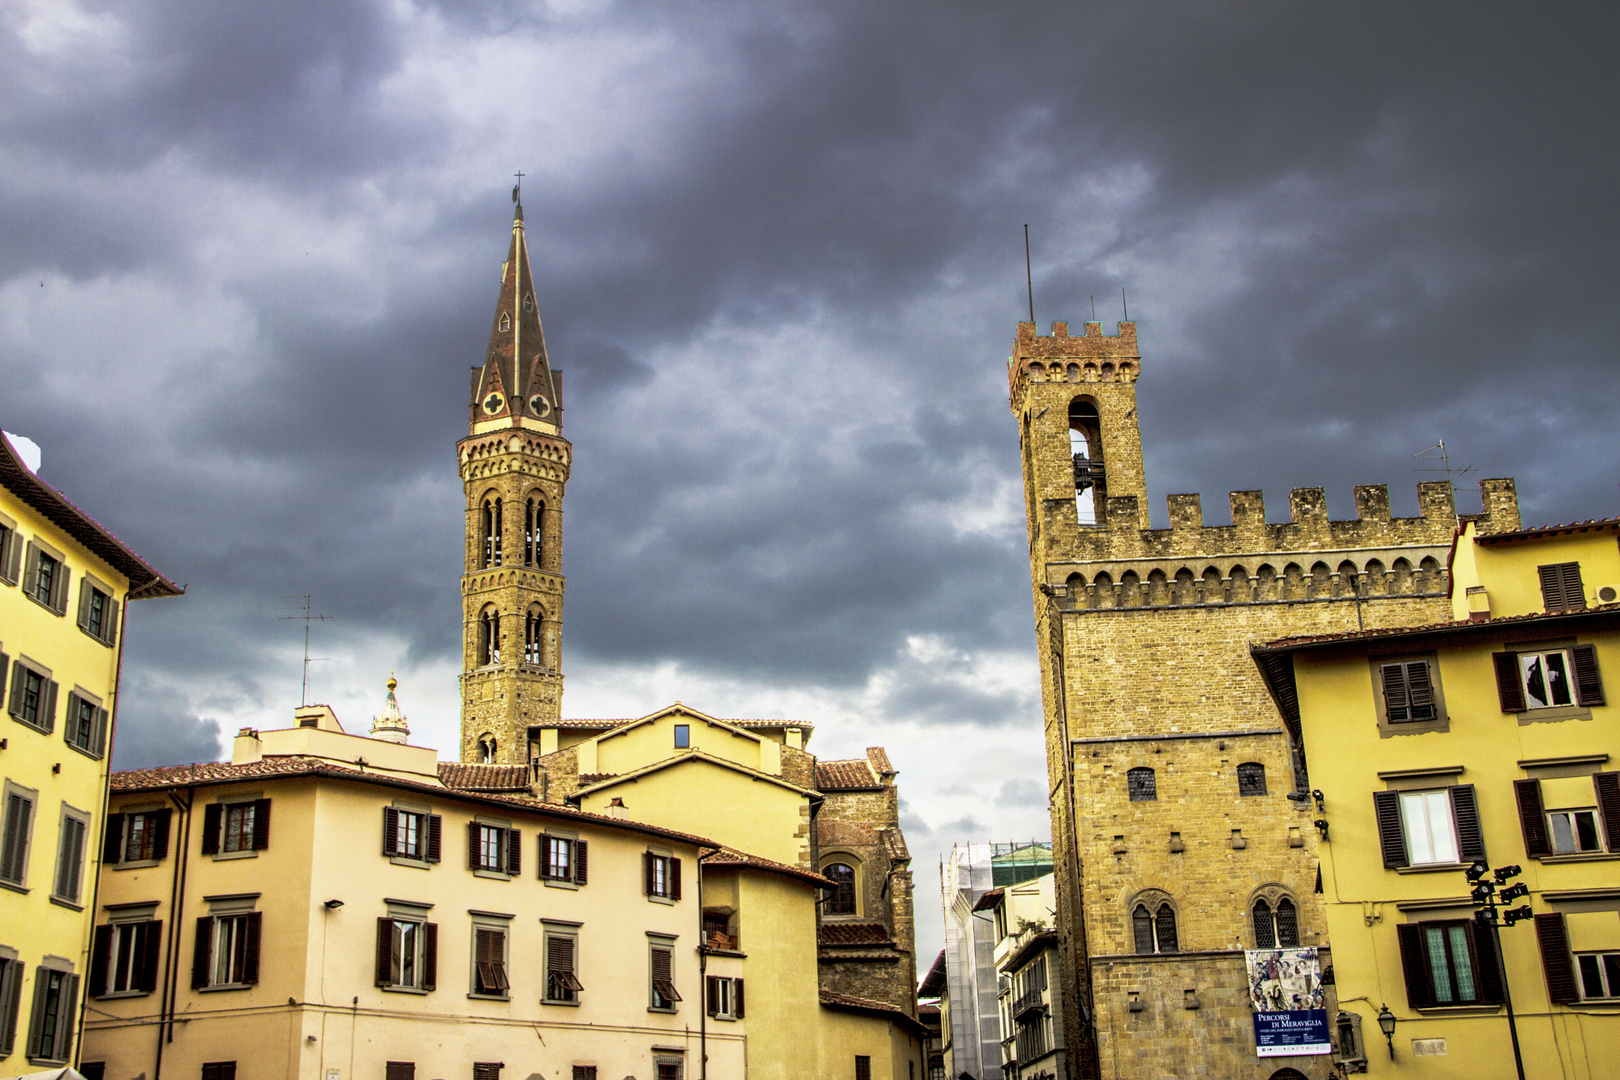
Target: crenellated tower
(514, 469)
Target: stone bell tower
(514, 468)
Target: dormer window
(528, 301)
(506, 322)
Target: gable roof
(1611, 524)
(867, 1007)
(853, 775)
(933, 983)
(467, 776)
(679, 759)
(723, 857)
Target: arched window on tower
(1085, 449)
(1141, 784)
(1154, 930)
(486, 748)
(842, 899)
(532, 630)
(533, 518)
(490, 533)
(489, 637)
(1275, 927)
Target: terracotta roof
(725, 856)
(845, 775)
(866, 1006)
(933, 983)
(927, 1010)
(1549, 530)
(842, 933)
(465, 776)
(989, 901)
(1483, 626)
(608, 725)
(595, 777)
(144, 581)
(223, 772)
(878, 758)
(894, 845)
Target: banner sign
(1290, 1011)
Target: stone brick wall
(852, 822)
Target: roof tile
(845, 775)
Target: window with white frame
(407, 948)
(1431, 834)
(1546, 678)
(124, 953)
(1599, 974)
(1573, 832)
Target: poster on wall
(1290, 1011)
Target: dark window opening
(842, 900)
(1142, 785)
(1251, 778)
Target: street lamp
(1386, 1024)
(1489, 918)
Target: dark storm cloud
(783, 296)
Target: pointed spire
(390, 724)
(516, 383)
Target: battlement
(1059, 357)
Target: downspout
(177, 892)
(101, 840)
(703, 982)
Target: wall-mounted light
(1321, 826)
(1321, 801)
(333, 905)
(1386, 1024)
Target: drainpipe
(171, 955)
(703, 982)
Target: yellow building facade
(64, 584)
(1488, 738)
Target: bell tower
(514, 467)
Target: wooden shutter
(201, 951)
(261, 824)
(5, 671)
(47, 707)
(430, 956)
(109, 622)
(112, 839)
(250, 961)
(71, 854)
(100, 953)
(1555, 959)
(1420, 690)
(674, 879)
(210, 831)
(18, 674)
(67, 1018)
(1396, 707)
(1487, 964)
(31, 570)
(390, 831)
(1607, 785)
(1532, 819)
(484, 949)
(1387, 809)
(545, 855)
(84, 603)
(1588, 686)
(474, 861)
(1465, 815)
(10, 1001)
(435, 831)
(514, 852)
(36, 1021)
(399, 1070)
(737, 998)
(647, 873)
(59, 587)
(385, 951)
(712, 994)
(1414, 965)
(160, 834)
(151, 946)
(98, 733)
(1508, 690)
(579, 859)
(1552, 587)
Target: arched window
(506, 322)
(532, 628)
(1275, 927)
(486, 748)
(1085, 448)
(842, 900)
(1142, 784)
(533, 516)
(528, 301)
(489, 637)
(1251, 778)
(1154, 929)
(490, 528)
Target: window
(399, 1070)
(33, 696)
(70, 855)
(494, 849)
(533, 518)
(226, 951)
(1275, 926)
(533, 631)
(50, 1026)
(93, 1070)
(17, 833)
(124, 958)
(1447, 964)
(98, 611)
(233, 827)
(1570, 831)
(668, 1068)
(725, 997)
(491, 530)
(1548, 679)
(488, 1070)
(562, 975)
(662, 875)
(1142, 785)
(863, 1067)
(11, 980)
(10, 546)
(1599, 974)
(842, 899)
(506, 322)
(46, 578)
(85, 728)
(219, 1070)
(1429, 828)
(489, 962)
(683, 736)
(661, 964)
(1251, 778)
(1561, 587)
(563, 858)
(407, 951)
(411, 834)
(137, 837)
(584, 1072)
(1408, 692)
(1154, 929)
(1573, 831)
(489, 637)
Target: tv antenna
(306, 618)
(1437, 452)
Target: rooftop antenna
(1126, 303)
(306, 618)
(1029, 276)
(1093, 309)
(1438, 452)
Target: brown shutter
(1555, 959)
(1532, 819)
(430, 956)
(545, 855)
(100, 953)
(151, 946)
(435, 833)
(200, 952)
(1387, 809)
(67, 1017)
(59, 588)
(109, 622)
(1487, 964)
(1508, 690)
(737, 998)
(261, 824)
(1415, 968)
(1574, 593)
(11, 988)
(514, 852)
(31, 569)
(579, 860)
(497, 959)
(18, 673)
(385, 951)
(647, 879)
(1607, 785)
(390, 831)
(112, 838)
(250, 961)
(473, 862)
(210, 832)
(160, 834)
(711, 993)
(1420, 689)
(98, 733)
(36, 1020)
(1396, 709)
(5, 671)
(84, 604)
(674, 878)
(47, 707)
(1465, 814)
(1552, 587)
(1588, 686)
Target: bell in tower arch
(1085, 448)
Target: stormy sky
(249, 251)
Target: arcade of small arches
(493, 627)
(492, 510)
(1234, 584)
(1273, 920)
(1076, 371)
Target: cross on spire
(517, 189)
